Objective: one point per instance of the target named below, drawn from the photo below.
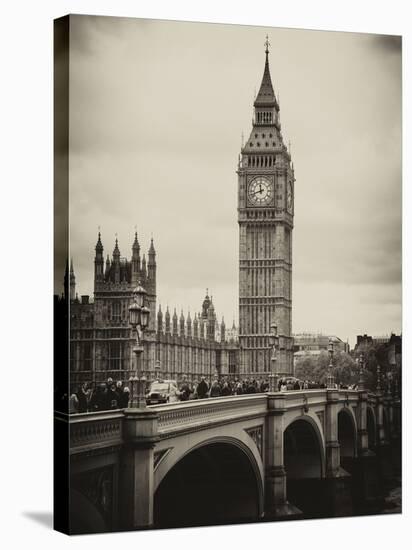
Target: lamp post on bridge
(361, 384)
(378, 379)
(389, 381)
(138, 319)
(274, 375)
(330, 380)
(158, 370)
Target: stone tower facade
(114, 281)
(265, 216)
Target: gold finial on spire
(267, 44)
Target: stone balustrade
(193, 415)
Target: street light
(330, 380)
(138, 319)
(361, 384)
(378, 379)
(158, 371)
(388, 387)
(274, 375)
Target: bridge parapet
(194, 415)
(89, 431)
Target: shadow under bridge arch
(347, 438)
(304, 460)
(216, 482)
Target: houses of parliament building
(100, 334)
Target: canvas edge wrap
(61, 31)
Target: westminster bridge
(280, 455)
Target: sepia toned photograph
(227, 274)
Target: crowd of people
(108, 395)
(112, 395)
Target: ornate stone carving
(98, 431)
(256, 434)
(159, 456)
(305, 406)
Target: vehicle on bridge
(164, 391)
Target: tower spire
(72, 281)
(266, 95)
(267, 44)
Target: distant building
(365, 339)
(392, 345)
(312, 344)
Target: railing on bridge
(203, 412)
(95, 430)
(105, 428)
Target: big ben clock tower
(265, 215)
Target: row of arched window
(263, 161)
(264, 117)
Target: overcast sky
(157, 110)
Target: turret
(72, 282)
(189, 325)
(195, 327)
(182, 324)
(107, 271)
(98, 261)
(211, 322)
(151, 265)
(174, 323)
(116, 262)
(160, 321)
(66, 282)
(144, 271)
(223, 330)
(135, 260)
(205, 305)
(202, 324)
(167, 321)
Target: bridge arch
(215, 481)
(304, 449)
(347, 434)
(371, 427)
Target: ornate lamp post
(139, 319)
(158, 370)
(389, 377)
(378, 379)
(361, 384)
(330, 380)
(274, 375)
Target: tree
(305, 368)
(345, 369)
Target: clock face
(290, 197)
(260, 191)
